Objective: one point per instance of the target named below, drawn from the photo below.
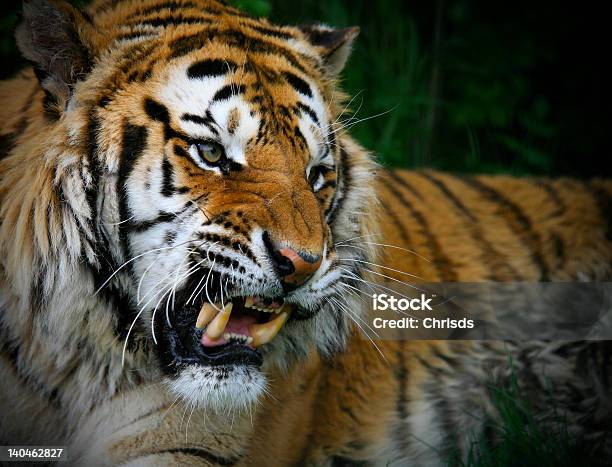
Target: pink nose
(297, 268)
(293, 267)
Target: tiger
(187, 233)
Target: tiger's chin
(220, 388)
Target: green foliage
(522, 438)
(448, 85)
(459, 85)
(256, 8)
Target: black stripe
(459, 206)
(559, 249)
(141, 226)
(160, 6)
(269, 31)
(298, 83)
(560, 208)
(199, 452)
(240, 40)
(401, 374)
(444, 265)
(157, 111)
(399, 227)
(179, 151)
(309, 111)
(516, 219)
(603, 200)
(404, 184)
(502, 270)
(93, 130)
(82, 227)
(227, 91)
(167, 178)
(160, 113)
(173, 20)
(345, 179)
(328, 184)
(208, 121)
(299, 137)
(554, 196)
(7, 143)
(210, 68)
(134, 143)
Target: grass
(523, 440)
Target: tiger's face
(228, 201)
(226, 195)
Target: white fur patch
(195, 96)
(222, 388)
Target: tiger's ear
(51, 36)
(334, 45)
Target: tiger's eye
(210, 152)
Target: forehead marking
(208, 121)
(210, 68)
(233, 120)
(298, 83)
(227, 91)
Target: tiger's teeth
(207, 313)
(249, 301)
(264, 333)
(217, 326)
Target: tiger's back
(421, 402)
(497, 228)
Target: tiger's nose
(294, 267)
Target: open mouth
(250, 321)
(221, 333)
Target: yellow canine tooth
(264, 333)
(217, 326)
(248, 302)
(207, 313)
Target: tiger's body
(80, 169)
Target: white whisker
(381, 266)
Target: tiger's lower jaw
(213, 354)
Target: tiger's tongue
(237, 325)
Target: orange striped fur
(103, 162)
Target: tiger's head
(217, 189)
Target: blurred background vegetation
(460, 85)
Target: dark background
(464, 85)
